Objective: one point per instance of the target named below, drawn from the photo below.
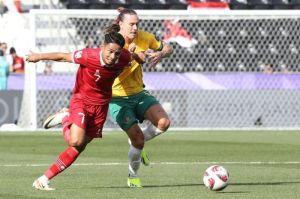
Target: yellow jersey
(130, 81)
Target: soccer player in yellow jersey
(131, 103)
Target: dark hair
(1, 53)
(12, 50)
(114, 37)
(114, 27)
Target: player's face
(111, 53)
(129, 26)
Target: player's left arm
(140, 57)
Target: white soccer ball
(216, 178)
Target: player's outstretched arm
(55, 56)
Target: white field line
(158, 163)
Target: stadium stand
(177, 4)
(98, 4)
(295, 4)
(207, 4)
(78, 4)
(183, 4)
(261, 4)
(281, 4)
(239, 5)
(138, 4)
(134, 4)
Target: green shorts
(129, 110)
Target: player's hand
(32, 57)
(140, 57)
(131, 47)
(154, 57)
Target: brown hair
(114, 27)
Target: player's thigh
(150, 108)
(155, 113)
(144, 102)
(77, 135)
(97, 115)
(123, 112)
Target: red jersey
(18, 64)
(94, 79)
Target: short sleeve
(80, 57)
(155, 44)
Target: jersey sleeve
(126, 57)
(80, 57)
(155, 44)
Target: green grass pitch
(262, 165)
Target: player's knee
(78, 146)
(163, 124)
(75, 142)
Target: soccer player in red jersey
(89, 102)
(18, 65)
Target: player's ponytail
(114, 27)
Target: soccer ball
(216, 178)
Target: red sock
(65, 159)
(66, 128)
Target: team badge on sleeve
(78, 54)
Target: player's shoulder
(144, 34)
(86, 51)
(92, 50)
(145, 37)
(92, 53)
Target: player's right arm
(55, 56)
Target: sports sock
(64, 160)
(134, 156)
(66, 128)
(150, 132)
(44, 179)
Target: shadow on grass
(150, 186)
(263, 183)
(7, 196)
(201, 184)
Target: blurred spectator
(16, 6)
(208, 4)
(3, 8)
(48, 68)
(3, 47)
(177, 33)
(18, 65)
(4, 71)
(268, 69)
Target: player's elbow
(168, 49)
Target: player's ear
(102, 45)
